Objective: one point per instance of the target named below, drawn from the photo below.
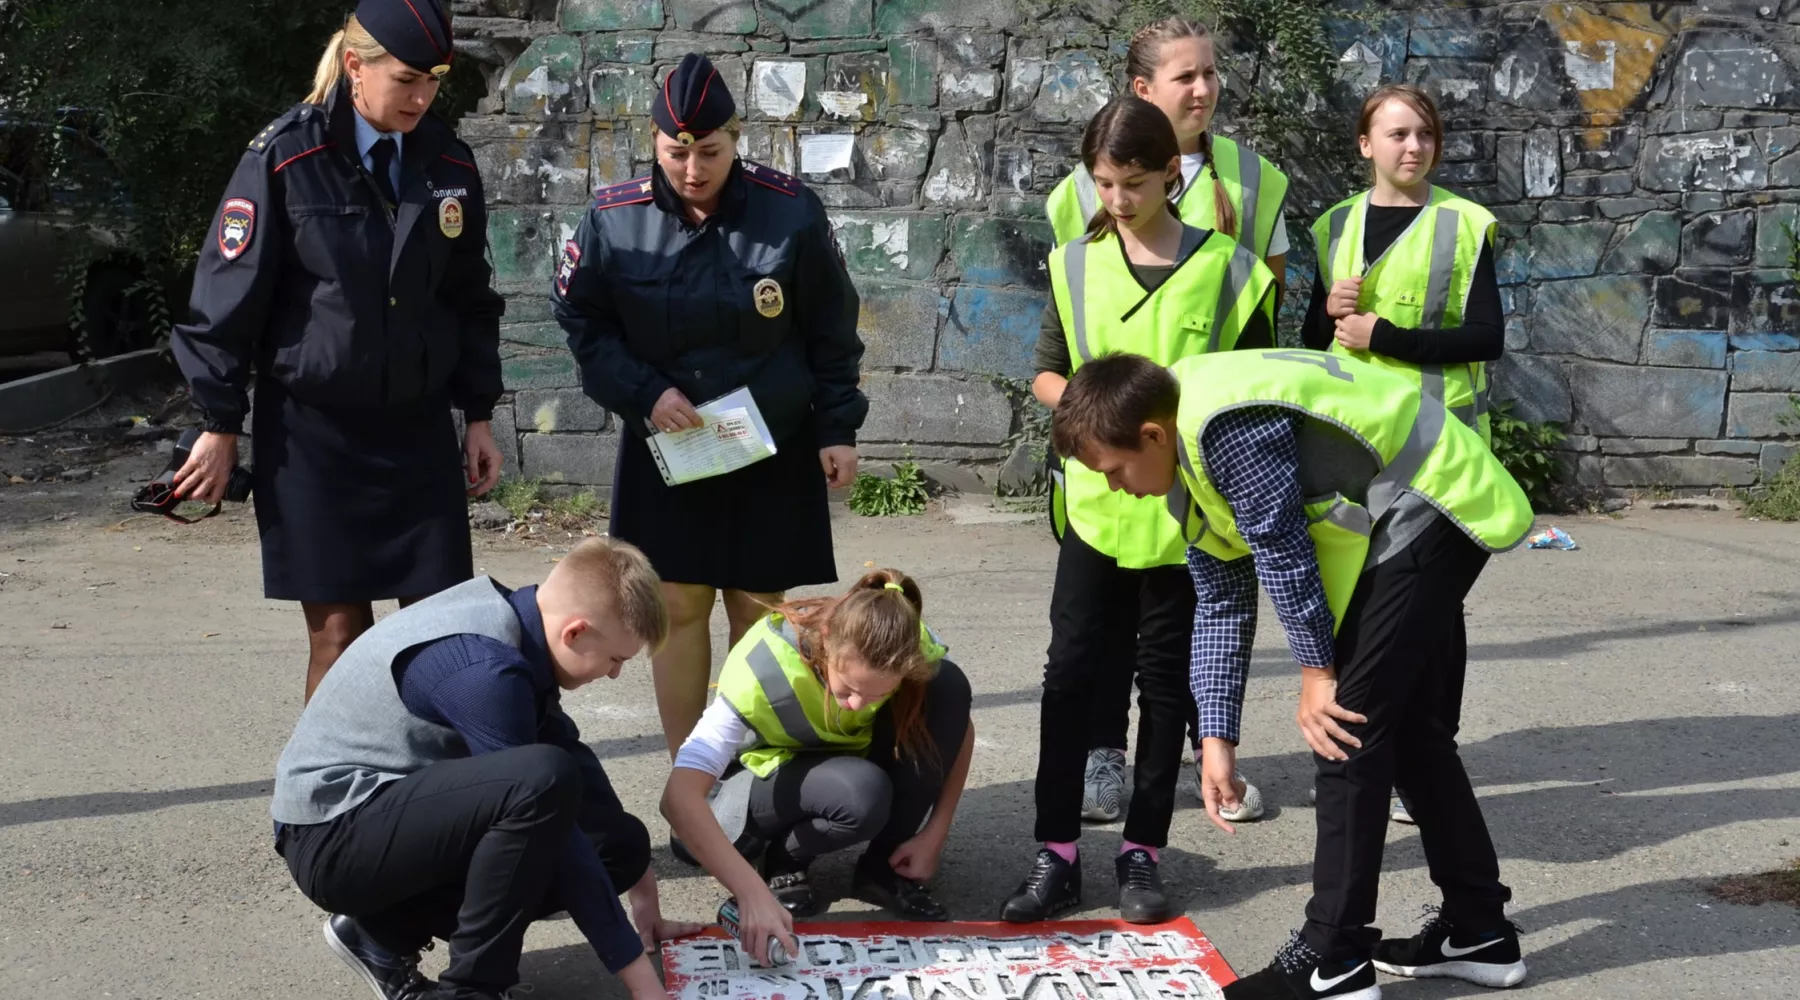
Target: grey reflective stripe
(1466, 414)
(1087, 196)
(1338, 219)
(1482, 404)
(766, 666)
(1186, 503)
(1236, 278)
(1075, 269)
(1390, 484)
(1348, 516)
(1443, 265)
(1471, 413)
(1249, 167)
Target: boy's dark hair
(1109, 400)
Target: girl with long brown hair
(1223, 187)
(839, 722)
(1143, 281)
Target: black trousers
(1109, 724)
(1104, 621)
(464, 850)
(1402, 655)
(824, 802)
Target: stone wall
(1644, 159)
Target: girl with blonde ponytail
(839, 722)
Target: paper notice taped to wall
(824, 152)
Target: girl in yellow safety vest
(1226, 188)
(839, 721)
(1406, 269)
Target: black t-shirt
(1052, 353)
(1481, 337)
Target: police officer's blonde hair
(353, 38)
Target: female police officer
(678, 288)
(348, 267)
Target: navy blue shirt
(498, 697)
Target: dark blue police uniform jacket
(650, 300)
(308, 275)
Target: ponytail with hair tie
(1224, 212)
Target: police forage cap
(695, 101)
(416, 32)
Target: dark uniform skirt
(359, 506)
(765, 528)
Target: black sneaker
(1299, 974)
(1141, 896)
(789, 882)
(391, 976)
(905, 898)
(1439, 950)
(1052, 886)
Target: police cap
(695, 101)
(416, 32)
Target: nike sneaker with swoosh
(1443, 951)
(1298, 973)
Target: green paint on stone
(1777, 227)
(726, 17)
(540, 371)
(1651, 244)
(1568, 251)
(822, 19)
(988, 251)
(899, 324)
(767, 45)
(913, 64)
(611, 15)
(620, 91)
(896, 17)
(835, 46)
(534, 334)
(891, 244)
(621, 48)
(1591, 317)
(547, 79)
(522, 242)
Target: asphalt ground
(1630, 724)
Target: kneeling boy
(434, 788)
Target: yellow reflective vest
(1420, 282)
(1217, 288)
(1398, 439)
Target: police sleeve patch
(565, 270)
(237, 225)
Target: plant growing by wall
(1524, 447)
(1778, 499)
(877, 496)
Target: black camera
(158, 495)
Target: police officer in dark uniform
(710, 275)
(347, 268)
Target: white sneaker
(1249, 808)
(1399, 813)
(1103, 789)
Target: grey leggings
(826, 802)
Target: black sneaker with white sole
(1298, 973)
(1443, 951)
(390, 976)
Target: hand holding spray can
(728, 919)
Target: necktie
(383, 153)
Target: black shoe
(1299, 974)
(1053, 885)
(877, 883)
(1141, 896)
(795, 892)
(1491, 958)
(391, 976)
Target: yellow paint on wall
(1625, 42)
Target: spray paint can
(728, 919)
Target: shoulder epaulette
(629, 192)
(773, 179)
(295, 115)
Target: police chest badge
(768, 298)
(237, 224)
(450, 217)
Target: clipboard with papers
(732, 436)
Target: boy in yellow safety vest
(1367, 512)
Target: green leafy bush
(1524, 448)
(875, 496)
(1778, 499)
(518, 496)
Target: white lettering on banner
(1084, 960)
